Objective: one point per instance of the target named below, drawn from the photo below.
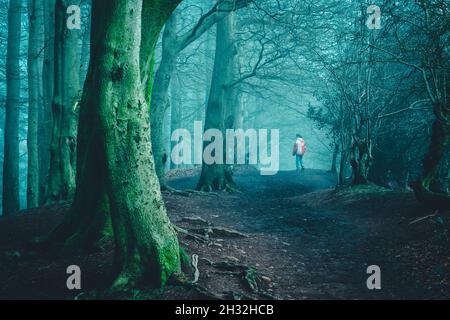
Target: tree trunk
(45, 114)
(218, 176)
(61, 183)
(176, 113)
(439, 144)
(429, 189)
(35, 43)
(160, 97)
(12, 109)
(209, 47)
(116, 173)
(360, 160)
(86, 41)
(334, 161)
(342, 165)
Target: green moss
(169, 261)
(120, 163)
(185, 260)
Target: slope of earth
(288, 236)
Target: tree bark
(343, 161)
(429, 189)
(116, 174)
(160, 100)
(176, 114)
(86, 39)
(439, 144)
(218, 176)
(360, 160)
(35, 43)
(61, 183)
(342, 165)
(334, 160)
(11, 202)
(45, 114)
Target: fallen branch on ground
(426, 217)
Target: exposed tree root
(434, 200)
(188, 234)
(166, 188)
(76, 234)
(216, 178)
(190, 192)
(195, 220)
(249, 275)
(228, 266)
(123, 282)
(204, 234)
(228, 187)
(180, 280)
(225, 232)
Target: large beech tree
(217, 176)
(116, 182)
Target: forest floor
(288, 236)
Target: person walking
(299, 151)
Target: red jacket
(299, 147)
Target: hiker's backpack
(301, 147)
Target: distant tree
(45, 114)
(11, 154)
(65, 105)
(173, 43)
(435, 67)
(176, 111)
(35, 45)
(424, 47)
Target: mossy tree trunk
(116, 181)
(12, 109)
(35, 43)
(218, 176)
(66, 96)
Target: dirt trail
(305, 240)
(318, 250)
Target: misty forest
(224, 149)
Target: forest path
(305, 240)
(263, 198)
(311, 250)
